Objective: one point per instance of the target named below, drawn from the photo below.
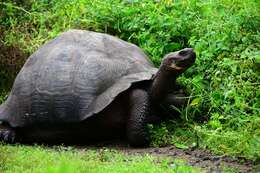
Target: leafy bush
(224, 82)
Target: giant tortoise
(87, 86)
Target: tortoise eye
(183, 52)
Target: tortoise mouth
(175, 67)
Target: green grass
(40, 159)
(223, 114)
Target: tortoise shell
(73, 77)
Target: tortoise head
(173, 64)
(180, 60)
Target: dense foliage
(224, 107)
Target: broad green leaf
(195, 101)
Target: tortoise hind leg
(7, 134)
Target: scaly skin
(139, 106)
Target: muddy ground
(204, 159)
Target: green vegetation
(223, 114)
(67, 159)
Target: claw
(12, 140)
(7, 136)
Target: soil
(199, 158)
(203, 159)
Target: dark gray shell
(73, 77)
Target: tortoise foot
(7, 136)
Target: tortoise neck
(163, 81)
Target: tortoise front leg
(136, 130)
(7, 134)
(177, 100)
(161, 112)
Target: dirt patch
(199, 158)
(203, 159)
